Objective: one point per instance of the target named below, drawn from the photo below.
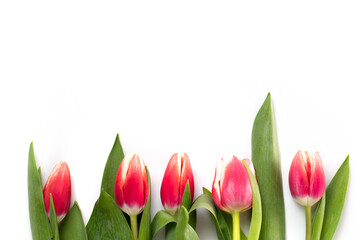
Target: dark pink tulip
(131, 185)
(231, 189)
(306, 178)
(177, 173)
(59, 185)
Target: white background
(187, 76)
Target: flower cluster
(238, 185)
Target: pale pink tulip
(306, 178)
(231, 189)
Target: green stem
(133, 222)
(308, 222)
(236, 225)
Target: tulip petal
(178, 172)
(306, 178)
(170, 186)
(217, 185)
(236, 192)
(131, 185)
(59, 185)
(298, 177)
(317, 180)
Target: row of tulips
(126, 186)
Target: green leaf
(203, 201)
(184, 230)
(112, 165)
(190, 233)
(186, 202)
(170, 231)
(256, 216)
(186, 199)
(160, 220)
(181, 223)
(335, 199)
(221, 220)
(318, 218)
(266, 159)
(39, 171)
(107, 221)
(222, 229)
(39, 223)
(145, 224)
(225, 222)
(72, 227)
(53, 220)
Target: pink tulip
(306, 178)
(131, 185)
(59, 185)
(177, 173)
(231, 188)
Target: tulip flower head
(177, 173)
(131, 185)
(306, 178)
(231, 188)
(59, 186)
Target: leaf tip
(268, 99)
(31, 149)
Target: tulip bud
(231, 188)
(131, 185)
(177, 173)
(59, 186)
(306, 178)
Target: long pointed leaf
(335, 200)
(266, 159)
(112, 165)
(318, 219)
(256, 216)
(181, 224)
(73, 227)
(107, 222)
(186, 202)
(40, 227)
(145, 224)
(53, 220)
